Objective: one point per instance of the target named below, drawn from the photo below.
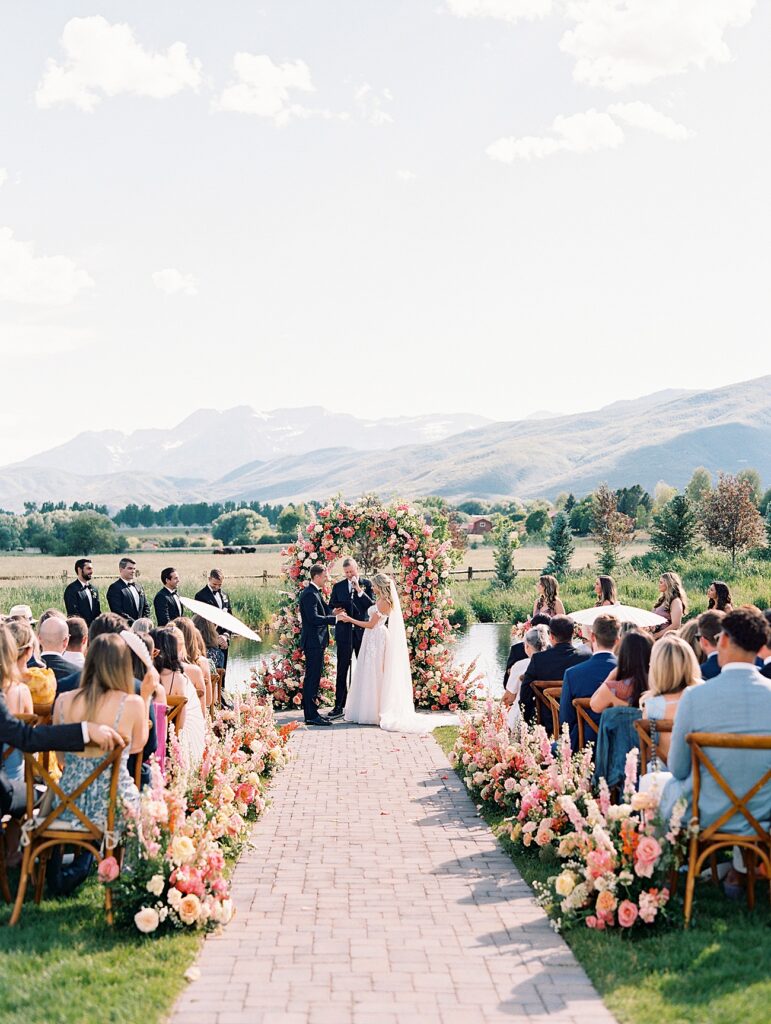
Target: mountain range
(290, 455)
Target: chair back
(552, 696)
(43, 713)
(218, 678)
(582, 706)
(174, 707)
(645, 730)
(28, 720)
(701, 761)
(542, 706)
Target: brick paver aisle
(375, 895)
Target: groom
(316, 620)
(354, 597)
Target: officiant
(354, 596)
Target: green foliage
(581, 516)
(89, 533)
(730, 518)
(505, 541)
(675, 527)
(765, 502)
(290, 518)
(239, 527)
(752, 478)
(536, 522)
(10, 532)
(611, 527)
(562, 547)
(699, 486)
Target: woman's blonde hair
(9, 654)
(22, 635)
(108, 667)
(674, 589)
(381, 584)
(551, 592)
(673, 666)
(194, 644)
(690, 633)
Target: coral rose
(627, 913)
(606, 902)
(108, 870)
(647, 853)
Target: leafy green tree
(89, 533)
(662, 493)
(536, 522)
(505, 542)
(11, 527)
(239, 527)
(570, 503)
(765, 502)
(730, 518)
(611, 527)
(562, 546)
(582, 517)
(146, 516)
(752, 477)
(128, 516)
(699, 486)
(290, 518)
(473, 508)
(676, 527)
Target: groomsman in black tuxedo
(125, 596)
(316, 619)
(214, 595)
(166, 602)
(353, 596)
(81, 597)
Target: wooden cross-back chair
(543, 714)
(43, 830)
(552, 695)
(708, 840)
(6, 818)
(174, 707)
(582, 706)
(43, 713)
(645, 735)
(218, 679)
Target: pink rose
(627, 913)
(648, 852)
(591, 921)
(108, 870)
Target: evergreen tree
(675, 527)
(570, 504)
(505, 541)
(562, 546)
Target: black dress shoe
(335, 713)
(317, 721)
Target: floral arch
(398, 540)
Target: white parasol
(220, 618)
(624, 612)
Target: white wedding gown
(381, 688)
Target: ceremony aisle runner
(375, 895)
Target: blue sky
(374, 209)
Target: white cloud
(37, 280)
(579, 133)
(174, 282)
(404, 175)
(265, 89)
(106, 60)
(503, 10)
(370, 104)
(19, 341)
(618, 43)
(643, 115)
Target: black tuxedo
(316, 619)
(77, 603)
(25, 737)
(766, 671)
(549, 664)
(166, 607)
(120, 601)
(347, 637)
(60, 667)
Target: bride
(381, 689)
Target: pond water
(488, 642)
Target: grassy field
(719, 972)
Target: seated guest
(710, 624)
(551, 663)
(719, 597)
(211, 637)
(16, 734)
(605, 589)
(195, 664)
(672, 604)
(41, 681)
(548, 600)
(81, 597)
(690, 633)
(23, 613)
(736, 701)
(191, 725)
(629, 679)
(517, 650)
(53, 636)
(75, 655)
(166, 602)
(673, 669)
(125, 596)
(582, 680)
(536, 640)
(143, 625)
(18, 699)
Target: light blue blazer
(738, 700)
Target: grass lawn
(62, 965)
(719, 972)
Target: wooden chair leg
(4, 887)
(749, 860)
(713, 868)
(40, 879)
(26, 869)
(108, 906)
(690, 882)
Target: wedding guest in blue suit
(736, 701)
(582, 680)
(710, 624)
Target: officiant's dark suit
(76, 601)
(347, 637)
(121, 599)
(316, 619)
